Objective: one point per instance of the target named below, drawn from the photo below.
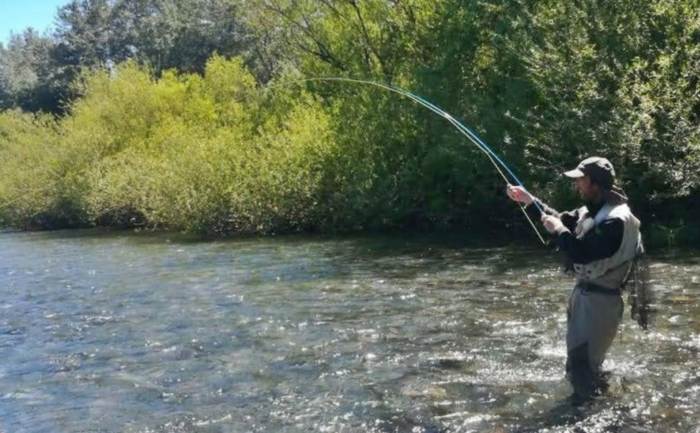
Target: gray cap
(599, 169)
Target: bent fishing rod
(497, 162)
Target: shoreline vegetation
(221, 139)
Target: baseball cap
(599, 169)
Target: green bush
(208, 154)
(40, 184)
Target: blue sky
(16, 15)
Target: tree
(176, 33)
(362, 38)
(26, 73)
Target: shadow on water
(376, 254)
(564, 414)
(601, 415)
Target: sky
(16, 15)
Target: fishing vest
(612, 271)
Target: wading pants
(592, 321)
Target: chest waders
(595, 306)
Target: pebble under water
(150, 333)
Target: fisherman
(600, 242)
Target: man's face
(588, 190)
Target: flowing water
(148, 333)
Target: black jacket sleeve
(599, 243)
(538, 208)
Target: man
(600, 241)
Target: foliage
(40, 185)
(162, 137)
(618, 79)
(26, 72)
(207, 154)
(37, 72)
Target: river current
(120, 332)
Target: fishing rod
(497, 162)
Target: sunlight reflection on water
(146, 333)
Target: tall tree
(366, 38)
(176, 33)
(26, 73)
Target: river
(123, 332)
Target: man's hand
(553, 224)
(519, 194)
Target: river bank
(656, 238)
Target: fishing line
(497, 162)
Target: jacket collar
(594, 208)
